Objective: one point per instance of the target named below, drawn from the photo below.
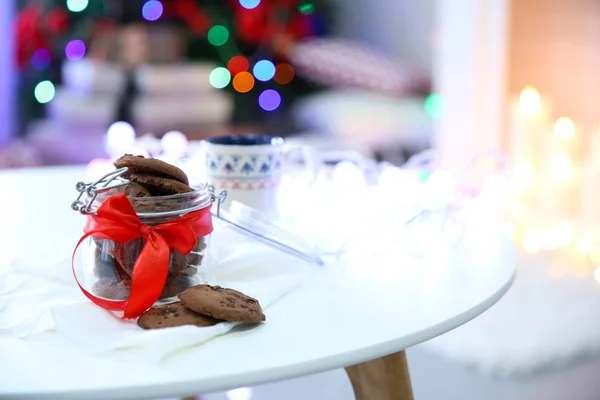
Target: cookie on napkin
(171, 315)
(221, 303)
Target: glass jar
(105, 267)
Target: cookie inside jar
(159, 193)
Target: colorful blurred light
(238, 64)
(423, 176)
(269, 100)
(434, 106)
(218, 35)
(239, 394)
(564, 128)
(243, 82)
(44, 92)
(120, 137)
(152, 10)
(77, 5)
(306, 8)
(40, 59)
(264, 70)
(284, 73)
(75, 50)
(219, 77)
(174, 143)
(529, 101)
(249, 4)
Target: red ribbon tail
(149, 275)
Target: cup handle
(302, 154)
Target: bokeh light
(284, 73)
(561, 167)
(40, 59)
(564, 128)
(75, 50)
(434, 106)
(306, 8)
(218, 35)
(238, 64)
(269, 100)
(219, 77)
(529, 101)
(239, 394)
(44, 92)
(174, 143)
(120, 137)
(77, 5)
(423, 176)
(152, 10)
(249, 4)
(264, 70)
(585, 244)
(243, 82)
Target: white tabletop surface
(346, 315)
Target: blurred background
(208, 67)
(84, 80)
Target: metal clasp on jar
(107, 182)
(219, 198)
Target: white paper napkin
(42, 297)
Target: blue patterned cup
(249, 167)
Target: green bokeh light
(434, 106)
(423, 176)
(44, 92)
(306, 8)
(218, 35)
(77, 5)
(219, 77)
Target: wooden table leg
(385, 378)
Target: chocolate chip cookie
(158, 185)
(222, 303)
(174, 314)
(131, 190)
(152, 166)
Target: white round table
(357, 317)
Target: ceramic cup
(249, 167)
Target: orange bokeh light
(284, 73)
(243, 82)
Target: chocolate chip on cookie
(174, 314)
(153, 166)
(159, 186)
(222, 303)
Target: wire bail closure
(107, 182)
(88, 192)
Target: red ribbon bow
(116, 220)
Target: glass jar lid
(239, 217)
